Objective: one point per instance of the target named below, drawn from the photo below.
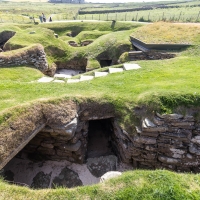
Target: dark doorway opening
(105, 63)
(99, 138)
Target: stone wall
(150, 55)
(66, 142)
(33, 55)
(160, 141)
(165, 141)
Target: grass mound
(19, 74)
(169, 33)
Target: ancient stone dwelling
(89, 135)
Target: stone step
(115, 70)
(128, 66)
(45, 79)
(59, 81)
(62, 76)
(73, 80)
(130, 53)
(100, 74)
(86, 78)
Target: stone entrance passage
(99, 138)
(76, 154)
(105, 63)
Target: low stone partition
(150, 55)
(33, 55)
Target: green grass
(19, 74)
(160, 84)
(169, 33)
(183, 14)
(137, 185)
(155, 81)
(109, 38)
(19, 11)
(187, 11)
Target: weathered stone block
(153, 148)
(70, 147)
(145, 140)
(194, 149)
(157, 121)
(135, 151)
(46, 151)
(63, 153)
(149, 156)
(168, 160)
(149, 134)
(49, 146)
(196, 140)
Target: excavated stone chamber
(77, 154)
(70, 145)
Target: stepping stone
(45, 79)
(62, 76)
(99, 74)
(86, 78)
(115, 70)
(73, 80)
(59, 81)
(128, 66)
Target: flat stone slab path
(128, 66)
(62, 76)
(67, 74)
(86, 78)
(100, 74)
(115, 70)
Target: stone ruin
(92, 143)
(83, 43)
(33, 55)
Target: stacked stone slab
(33, 55)
(67, 142)
(167, 141)
(149, 55)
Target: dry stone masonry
(167, 141)
(150, 55)
(33, 55)
(70, 132)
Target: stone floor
(50, 174)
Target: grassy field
(161, 85)
(137, 185)
(186, 12)
(20, 12)
(183, 14)
(147, 85)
